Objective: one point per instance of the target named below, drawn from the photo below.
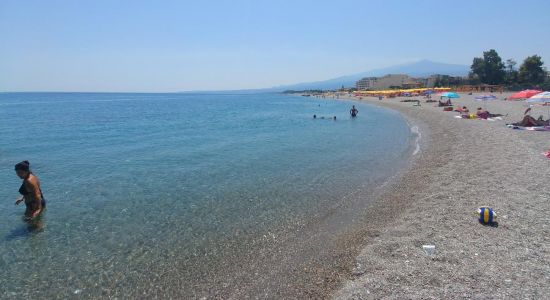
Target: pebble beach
(461, 165)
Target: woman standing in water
(30, 191)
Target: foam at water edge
(416, 131)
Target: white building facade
(384, 82)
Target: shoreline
(313, 261)
(464, 164)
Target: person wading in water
(30, 191)
(353, 111)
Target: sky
(170, 46)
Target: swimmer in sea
(30, 191)
(353, 111)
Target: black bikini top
(23, 190)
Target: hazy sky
(138, 45)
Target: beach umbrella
(485, 98)
(428, 92)
(543, 97)
(450, 95)
(524, 94)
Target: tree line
(490, 69)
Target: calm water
(144, 185)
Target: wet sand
(462, 165)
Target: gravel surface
(462, 165)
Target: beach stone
(359, 269)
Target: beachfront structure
(365, 83)
(386, 82)
(487, 88)
(438, 80)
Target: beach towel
(468, 116)
(533, 128)
(474, 118)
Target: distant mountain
(421, 68)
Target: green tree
(511, 72)
(490, 69)
(477, 73)
(531, 70)
(546, 85)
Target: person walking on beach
(353, 111)
(30, 191)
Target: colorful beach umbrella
(450, 95)
(524, 94)
(543, 97)
(485, 98)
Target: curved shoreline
(464, 164)
(313, 261)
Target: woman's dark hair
(23, 166)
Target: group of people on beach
(527, 121)
(480, 113)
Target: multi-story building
(365, 83)
(385, 82)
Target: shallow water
(142, 186)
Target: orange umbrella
(524, 94)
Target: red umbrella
(524, 94)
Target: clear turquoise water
(141, 185)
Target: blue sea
(151, 194)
